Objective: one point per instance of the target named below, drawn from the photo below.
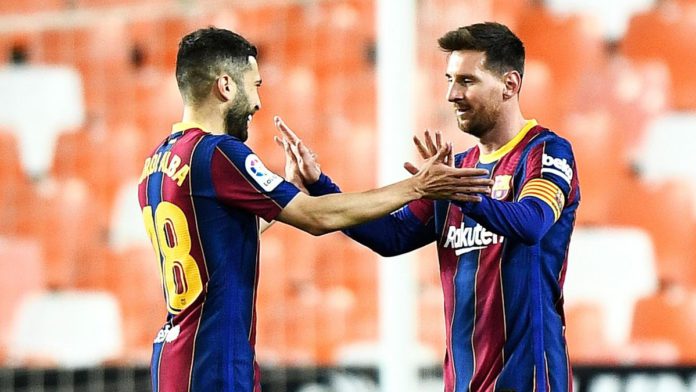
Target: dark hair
(206, 53)
(504, 50)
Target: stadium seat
(537, 99)
(36, 127)
(632, 93)
(598, 263)
(569, 46)
(24, 276)
(670, 224)
(594, 137)
(613, 15)
(67, 224)
(116, 3)
(431, 318)
(126, 228)
(664, 322)
(665, 153)
(68, 329)
(676, 46)
(28, 7)
(586, 329)
(16, 190)
(508, 12)
(134, 281)
(87, 153)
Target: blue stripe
(155, 365)
(464, 318)
(538, 321)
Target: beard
(237, 117)
(480, 122)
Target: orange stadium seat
(586, 335)
(103, 158)
(567, 44)
(594, 136)
(24, 275)
(508, 12)
(662, 324)
(66, 222)
(632, 93)
(676, 45)
(537, 97)
(670, 223)
(117, 3)
(30, 6)
(16, 191)
(134, 279)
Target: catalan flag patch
(548, 192)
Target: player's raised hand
(436, 180)
(427, 149)
(292, 171)
(307, 165)
(470, 182)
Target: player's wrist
(322, 186)
(312, 178)
(416, 187)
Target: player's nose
(454, 94)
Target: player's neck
(209, 119)
(504, 131)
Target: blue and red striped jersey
(502, 263)
(504, 316)
(201, 196)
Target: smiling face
(245, 103)
(475, 92)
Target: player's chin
(463, 124)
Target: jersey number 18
(169, 234)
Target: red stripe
(489, 326)
(448, 271)
(176, 358)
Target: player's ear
(513, 83)
(225, 88)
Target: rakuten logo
(465, 239)
(557, 166)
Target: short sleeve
(241, 180)
(550, 173)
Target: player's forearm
(394, 234)
(527, 220)
(340, 211)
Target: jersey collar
(182, 126)
(499, 153)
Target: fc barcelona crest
(501, 187)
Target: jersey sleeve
(241, 180)
(550, 174)
(402, 231)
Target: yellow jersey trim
(499, 153)
(182, 126)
